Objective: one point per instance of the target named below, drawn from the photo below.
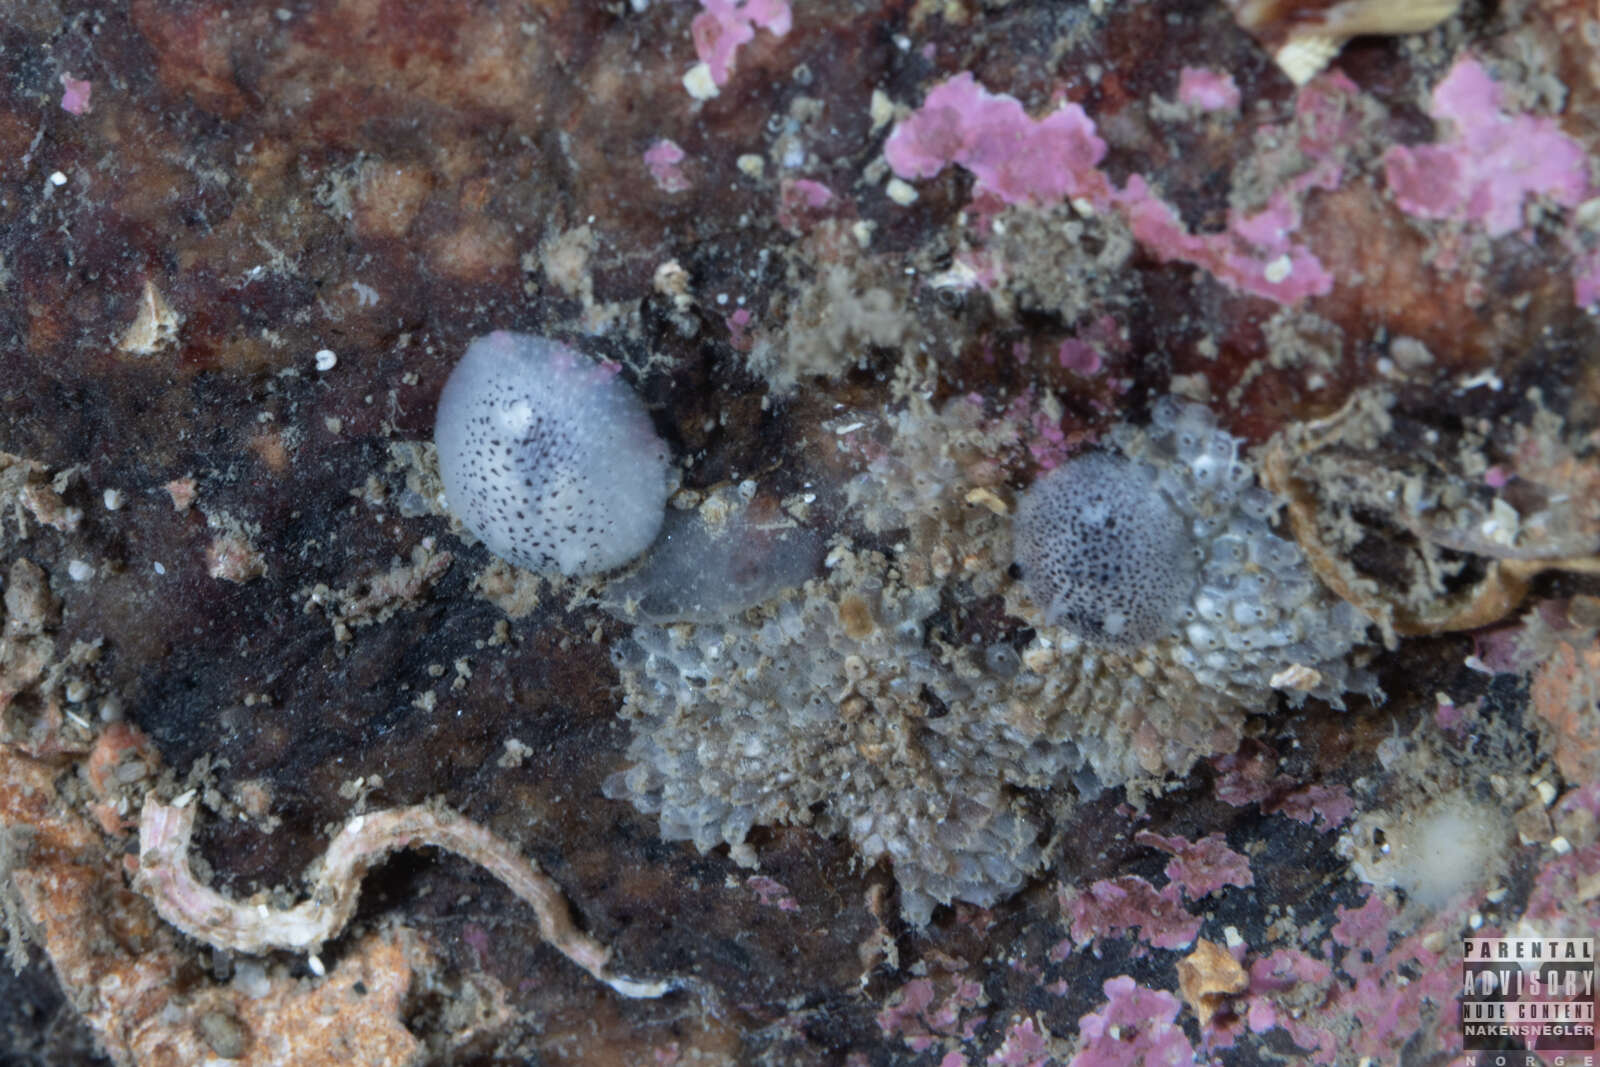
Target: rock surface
(241, 246)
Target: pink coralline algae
(1079, 356)
(75, 95)
(913, 1015)
(1247, 777)
(1377, 1002)
(1254, 255)
(1201, 867)
(663, 158)
(1018, 159)
(725, 25)
(1207, 90)
(1563, 901)
(1047, 443)
(1024, 1046)
(1489, 163)
(1364, 929)
(1325, 806)
(772, 893)
(739, 335)
(1112, 906)
(800, 202)
(1086, 353)
(1136, 1028)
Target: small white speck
(316, 966)
(79, 571)
(159, 568)
(1473, 663)
(1475, 920)
(699, 84)
(1278, 269)
(900, 192)
(326, 360)
(58, 179)
(112, 499)
(1482, 378)
(1560, 845)
(722, 298)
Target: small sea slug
(549, 457)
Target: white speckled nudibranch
(549, 457)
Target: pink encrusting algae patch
(1136, 1026)
(801, 201)
(739, 334)
(1323, 806)
(1254, 255)
(726, 25)
(1201, 867)
(1207, 90)
(75, 95)
(1024, 1046)
(1113, 906)
(1245, 778)
(1018, 159)
(663, 158)
(1489, 162)
(772, 893)
(917, 1015)
(1079, 356)
(1047, 443)
(1369, 1006)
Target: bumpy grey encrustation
(859, 705)
(548, 457)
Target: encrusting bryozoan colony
(548, 457)
(886, 703)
